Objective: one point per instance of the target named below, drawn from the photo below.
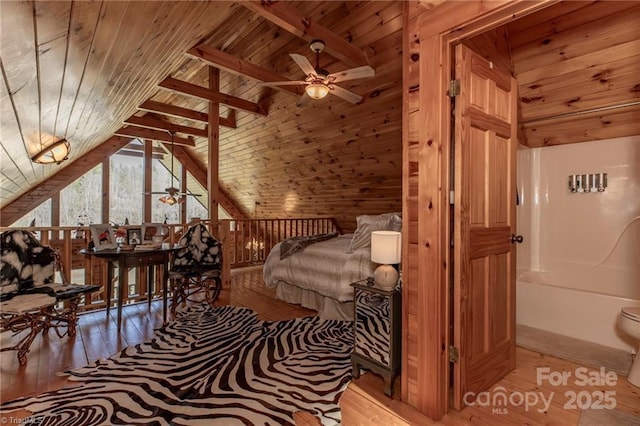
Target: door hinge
(453, 354)
(454, 88)
(452, 198)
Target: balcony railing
(244, 243)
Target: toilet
(629, 322)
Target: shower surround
(580, 261)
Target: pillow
(366, 224)
(395, 223)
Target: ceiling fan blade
(351, 74)
(354, 98)
(175, 193)
(304, 100)
(281, 83)
(303, 63)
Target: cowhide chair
(29, 297)
(196, 268)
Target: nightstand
(377, 330)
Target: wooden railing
(252, 240)
(244, 242)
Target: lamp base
(386, 277)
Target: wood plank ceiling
(87, 67)
(87, 71)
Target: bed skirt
(327, 307)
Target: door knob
(516, 239)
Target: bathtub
(584, 315)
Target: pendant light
(171, 197)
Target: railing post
(224, 233)
(67, 254)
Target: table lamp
(386, 248)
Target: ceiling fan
(319, 82)
(172, 195)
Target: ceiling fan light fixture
(317, 90)
(56, 153)
(170, 200)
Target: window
(125, 188)
(196, 206)
(81, 201)
(160, 181)
(41, 215)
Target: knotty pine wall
(330, 158)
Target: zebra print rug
(211, 366)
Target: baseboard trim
(576, 350)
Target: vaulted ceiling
(101, 73)
(79, 70)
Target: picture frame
(103, 236)
(134, 236)
(150, 230)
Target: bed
(319, 275)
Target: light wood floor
(97, 338)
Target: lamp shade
(317, 90)
(386, 247)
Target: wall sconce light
(386, 249)
(57, 152)
(593, 182)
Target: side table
(377, 332)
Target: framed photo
(150, 230)
(103, 236)
(134, 236)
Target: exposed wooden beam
(106, 192)
(140, 148)
(55, 209)
(225, 61)
(199, 171)
(180, 112)
(154, 123)
(231, 117)
(100, 154)
(55, 183)
(213, 153)
(183, 188)
(142, 133)
(290, 19)
(138, 154)
(147, 180)
(174, 111)
(200, 92)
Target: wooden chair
(29, 298)
(196, 268)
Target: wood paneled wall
(330, 158)
(577, 66)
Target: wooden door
(484, 211)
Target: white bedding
(324, 267)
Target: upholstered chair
(196, 268)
